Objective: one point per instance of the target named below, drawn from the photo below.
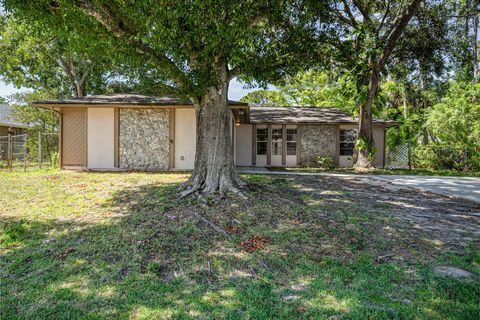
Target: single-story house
(7, 124)
(135, 132)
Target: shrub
(441, 157)
(324, 162)
(54, 159)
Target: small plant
(324, 162)
(54, 160)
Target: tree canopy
(192, 49)
(433, 61)
(48, 60)
(397, 59)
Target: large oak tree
(193, 49)
(364, 36)
(65, 63)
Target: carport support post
(39, 149)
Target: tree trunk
(77, 83)
(363, 154)
(214, 169)
(425, 102)
(475, 49)
(79, 88)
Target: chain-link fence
(20, 152)
(13, 151)
(399, 157)
(432, 156)
(48, 149)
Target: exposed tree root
(362, 169)
(213, 225)
(363, 164)
(201, 191)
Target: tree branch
(66, 66)
(232, 73)
(387, 11)
(349, 13)
(365, 15)
(106, 16)
(344, 19)
(396, 31)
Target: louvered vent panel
(74, 137)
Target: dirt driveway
(462, 187)
(443, 222)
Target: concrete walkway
(462, 187)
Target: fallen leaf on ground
(66, 253)
(254, 243)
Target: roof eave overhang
(105, 105)
(121, 105)
(390, 124)
(13, 125)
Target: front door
(347, 144)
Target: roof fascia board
(108, 105)
(13, 125)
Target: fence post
(25, 152)
(409, 156)
(39, 149)
(10, 152)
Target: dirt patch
(320, 218)
(254, 243)
(443, 222)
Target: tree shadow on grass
(157, 259)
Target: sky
(6, 89)
(236, 91)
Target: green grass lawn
(122, 245)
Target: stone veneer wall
(317, 140)
(144, 139)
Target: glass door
(277, 146)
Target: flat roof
(305, 115)
(126, 99)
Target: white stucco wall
(185, 138)
(100, 137)
(243, 145)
